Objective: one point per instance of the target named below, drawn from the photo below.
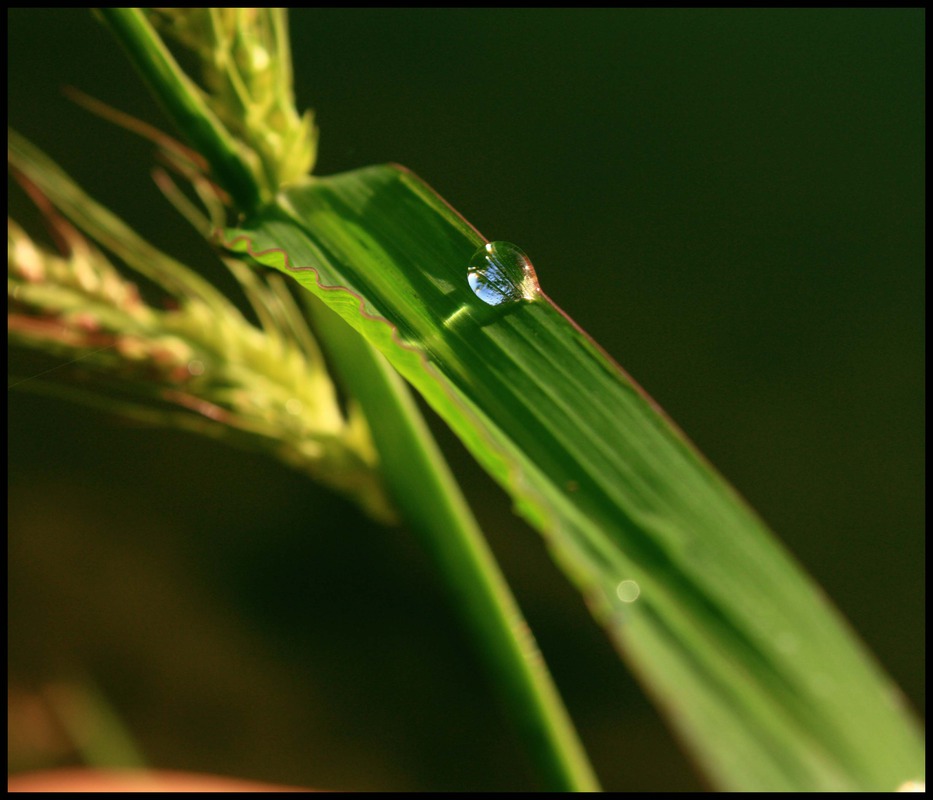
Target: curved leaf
(755, 670)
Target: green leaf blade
(756, 671)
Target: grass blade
(430, 500)
(756, 671)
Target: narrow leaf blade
(755, 670)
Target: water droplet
(501, 274)
(627, 591)
(195, 367)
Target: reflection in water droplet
(501, 274)
(195, 367)
(628, 591)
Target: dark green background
(731, 202)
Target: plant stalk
(182, 101)
(431, 502)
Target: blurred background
(730, 202)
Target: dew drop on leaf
(627, 591)
(501, 274)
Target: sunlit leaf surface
(758, 674)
